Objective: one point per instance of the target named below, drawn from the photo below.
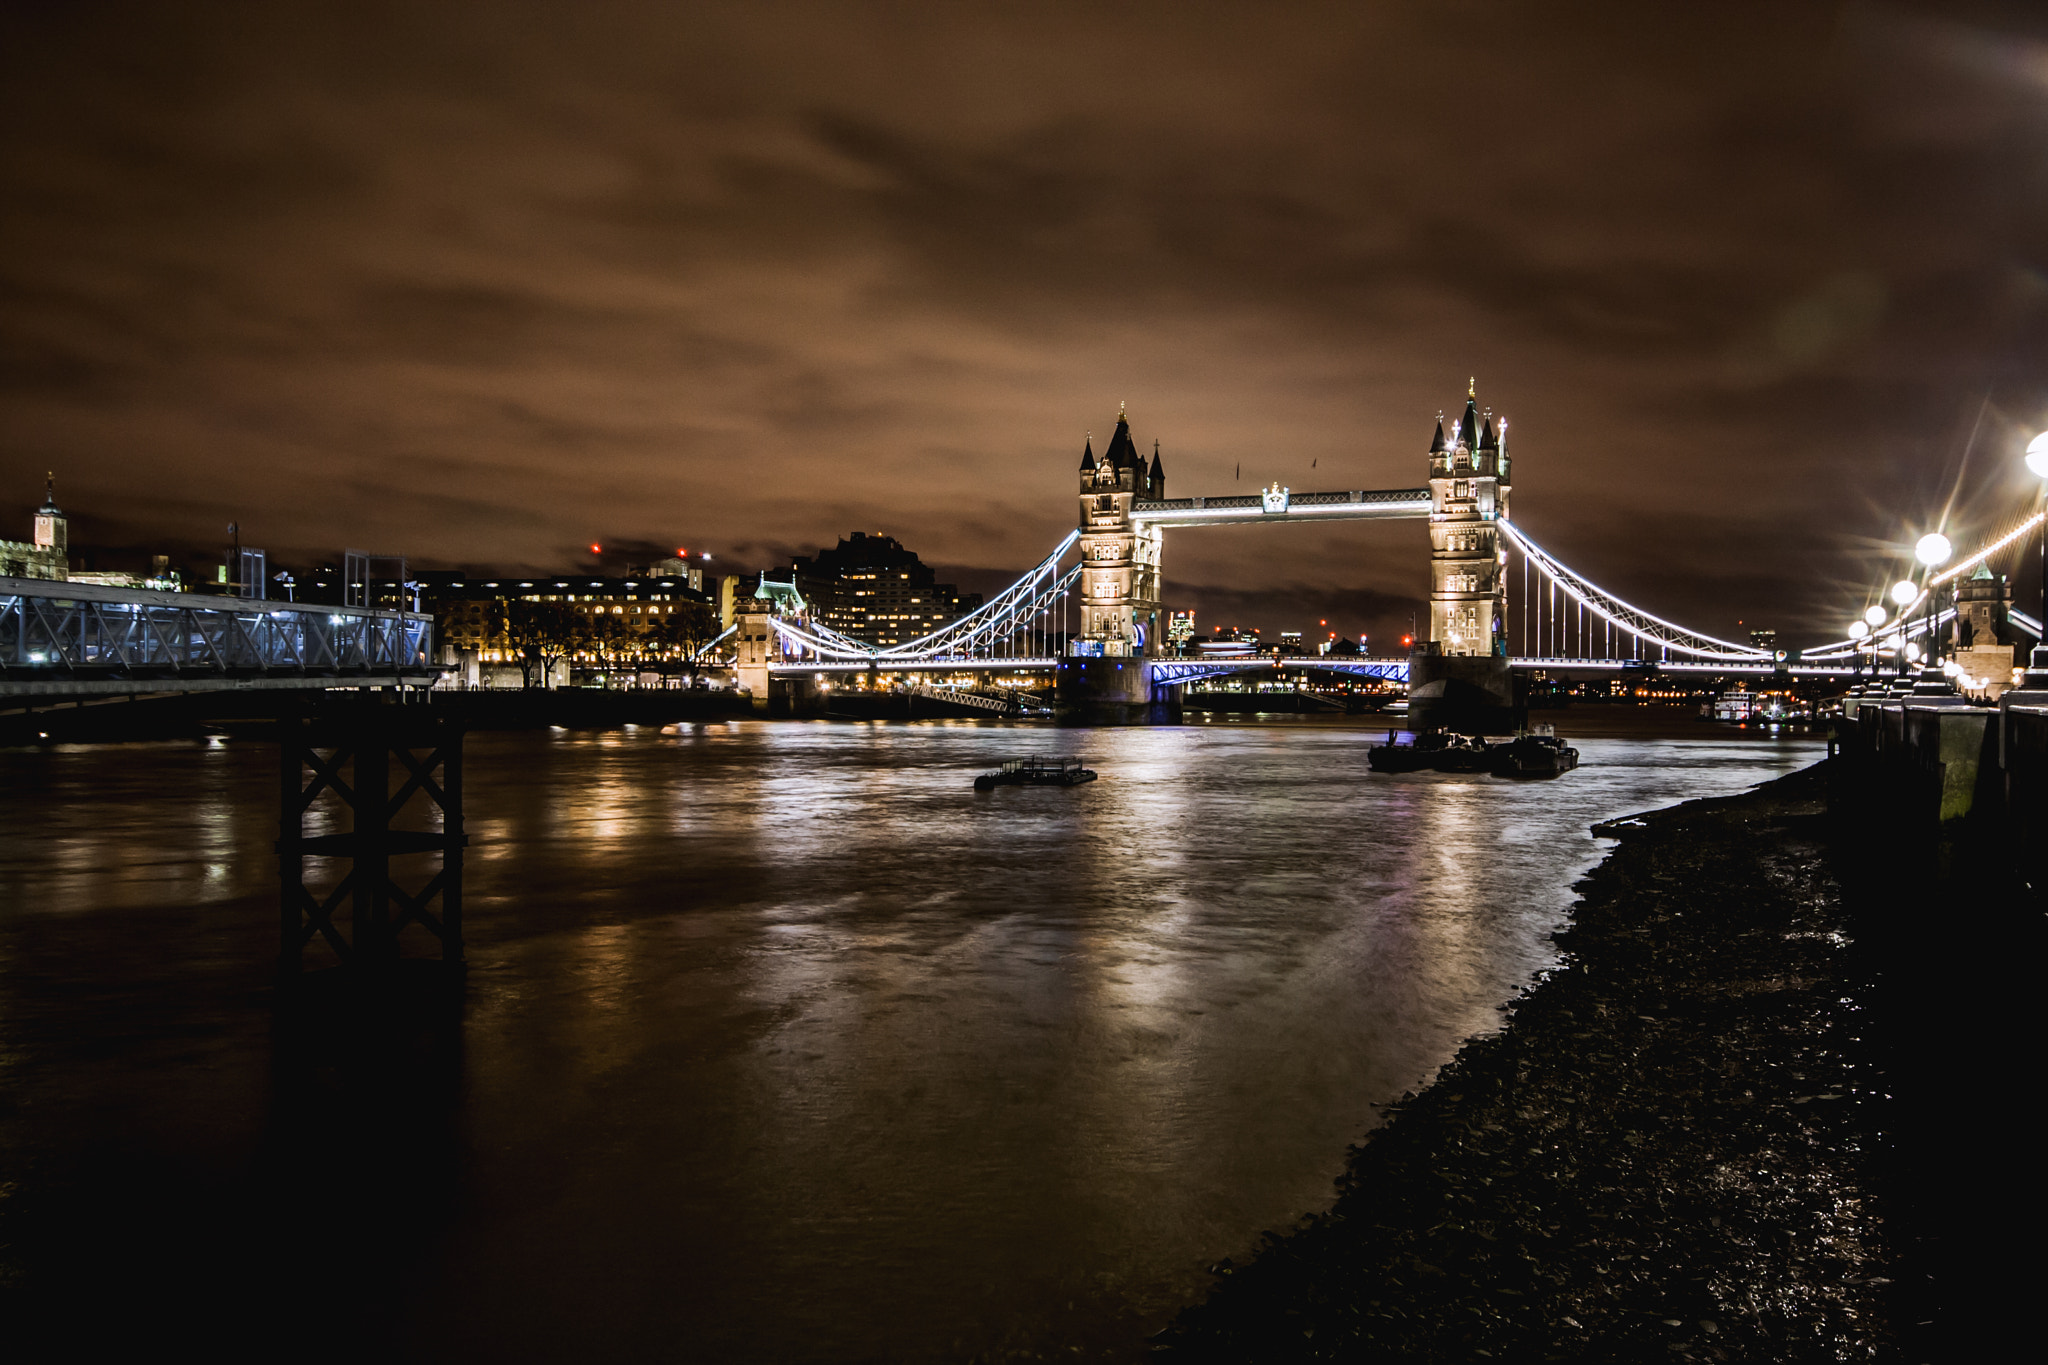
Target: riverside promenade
(1758, 1113)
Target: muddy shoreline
(1681, 1147)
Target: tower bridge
(1091, 613)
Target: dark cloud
(489, 283)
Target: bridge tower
(1120, 586)
(1459, 677)
(1103, 679)
(1468, 496)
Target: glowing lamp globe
(1933, 549)
(1857, 630)
(1912, 651)
(1874, 616)
(2037, 455)
(1904, 592)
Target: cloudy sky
(1761, 287)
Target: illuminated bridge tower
(1459, 677)
(1103, 679)
(1120, 586)
(1468, 497)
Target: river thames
(779, 1042)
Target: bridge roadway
(1173, 671)
(62, 640)
(1355, 505)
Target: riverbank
(1680, 1147)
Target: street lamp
(2037, 463)
(1903, 593)
(1932, 550)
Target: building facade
(1468, 488)
(1120, 587)
(871, 588)
(585, 621)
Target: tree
(687, 628)
(543, 633)
(607, 639)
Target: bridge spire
(1436, 447)
(1088, 453)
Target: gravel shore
(1672, 1151)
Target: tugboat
(1541, 754)
(1036, 772)
(1433, 751)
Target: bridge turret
(1468, 429)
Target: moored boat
(1537, 755)
(1432, 751)
(1036, 772)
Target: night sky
(1760, 287)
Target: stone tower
(1983, 646)
(1120, 582)
(51, 529)
(1468, 494)
(1459, 677)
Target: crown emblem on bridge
(1275, 498)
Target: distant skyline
(1761, 289)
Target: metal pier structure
(74, 641)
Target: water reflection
(784, 1044)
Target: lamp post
(1932, 550)
(1903, 593)
(2037, 663)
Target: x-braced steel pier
(350, 758)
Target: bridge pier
(1468, 693)
(1112, 692)
(368, 742)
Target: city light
(1933, 549)
(1903, 592)
(1857, 629)
(1874, 616)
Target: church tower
(1468, 494)
(1120, 578)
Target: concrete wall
(1944, 787)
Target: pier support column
(1110, 692)
(350, 759)
(1468, 693)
